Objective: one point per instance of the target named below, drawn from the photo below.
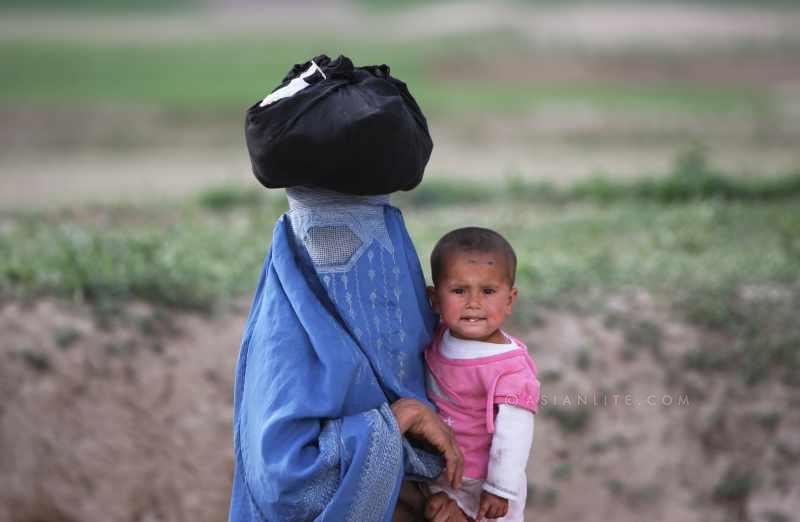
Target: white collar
(455, 348)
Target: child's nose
(474, 299)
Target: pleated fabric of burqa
(335, 334)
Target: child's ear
(432, 299)
(512, 298)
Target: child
(482, 380)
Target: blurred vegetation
(759, 332)
(143, 5)
(225, 198)
(223, 76)
(736, 485)
(570, 420)
(696, 240)
(99, 5)
(135, 5)
(191, 259)
(394, 4)
(691, 178)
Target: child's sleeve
(511, 446)
(520, 389)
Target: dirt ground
(128, 420)
(125, 415)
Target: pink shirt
(470, 389)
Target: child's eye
(488, 291)
(458, 291)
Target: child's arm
(511, 446)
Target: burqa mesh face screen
(329, 124)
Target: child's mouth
(472, 319)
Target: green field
(99, 5)
(194, 253)
(220, 76)
(140, 5)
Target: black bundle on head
(329, 124)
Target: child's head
(473, 273)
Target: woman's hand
(441, 508)
(418, 421)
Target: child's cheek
(450, 313)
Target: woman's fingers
(441, 435)
(435, 505)
(406, 413)
(424, 423)
(455, 462)
(455, 468)
(459, 465)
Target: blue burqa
(334, 336)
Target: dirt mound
(124, 414)
(127, 420)
(640, 435)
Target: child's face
(474, 295)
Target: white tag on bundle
(294, 86)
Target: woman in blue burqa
(331, 419)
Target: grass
(395, 5)
(98, 5)
(583, 360)
(691, 178)
(199, 260)
(570, 420)
(514, 97)
(226, 198)
(38, 361)
(66, 337)
(229, 75)
(758, 334)
(542, 496)
(615, 486)
(699, 250)
(735, 485)
(640, 335)
(776, 516)
(704, 245)
(561, 471)
(143, 5)
(769, 420)
(638, 497)
(202, 76)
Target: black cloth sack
(356, 130)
